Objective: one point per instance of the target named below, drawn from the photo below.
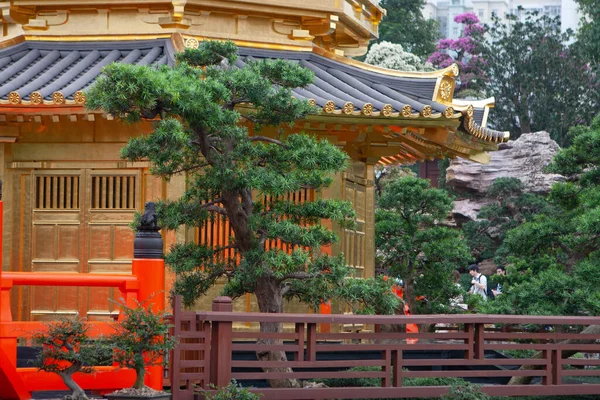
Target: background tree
(553, 257)
(392, 56)
(244, 179)
(464, 52)
(404, 24)
(511, 207)
(539, 81)
(588, 34)
(415, 247)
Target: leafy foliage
(67, 349)
(464, 52)
(392, 56)
(212, 118)
(465, 391)
(404, 24)
(588, 34)
(533, 72)
(233, 391)
(512, 207)
(141, 339)
(555, 254)
(414, 246)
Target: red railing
(146, 281)
(207, 340)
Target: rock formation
(524, 158)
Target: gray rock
(466, 210)
(524, 158)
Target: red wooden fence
(207, 340)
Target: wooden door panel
(56, 231)
(114, 199)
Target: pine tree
(206, 109)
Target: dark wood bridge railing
(207, 340)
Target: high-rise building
(445, 11)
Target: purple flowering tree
(463, 51)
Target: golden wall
(69, 199)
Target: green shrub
(465, 391)
(234, 391)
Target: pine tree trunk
(270, 300)
(76, 391)
(526, 380)
(139, 378)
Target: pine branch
(190, 168)
(267, 139)
(231, 246)
(299, 275)
(216, 209)
(215, 201)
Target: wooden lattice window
(217, 232)
(114, 192)
(57, 192)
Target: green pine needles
(227, 126)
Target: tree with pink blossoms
(464, 52)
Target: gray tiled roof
(56, 73)
(37, 70)
(357, 91)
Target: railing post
(299, 356)
(149, 267)
(397, 365)
(479, 342)
(311, 342)
(220, 349)
(8, 344)
(556, 366)
(470, 341)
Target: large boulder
(524, 158)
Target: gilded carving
(348, 108)
(312, 102)
(367, 109)
(470, 111)
(79, 97)
(58, 98)
(406, 111)
(445, 90)
(191, 43)
(455, 70)
(426, 112)
(329, 107)
(387, 110)
(36, 98)
(449, 112)
(14, 98)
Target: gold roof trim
(452, 70)
(246, 43)
(480, 132)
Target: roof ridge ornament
(471, 127)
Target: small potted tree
(66, 349)
(141, 340)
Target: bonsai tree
(141, 340)
(67, 349)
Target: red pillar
(151, 286)
(149, 267)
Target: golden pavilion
(69, 198)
